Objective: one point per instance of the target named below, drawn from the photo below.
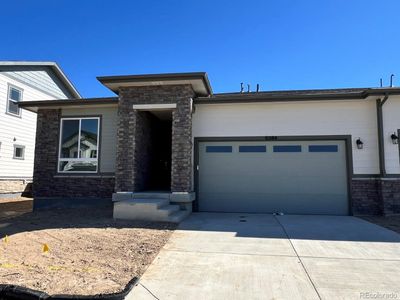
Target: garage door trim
(346, 138)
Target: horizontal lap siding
(356, 118)
(108, 140)
(42, 78)
(391, 123)
(22, 129)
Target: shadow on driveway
(301, 227)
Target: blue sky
(284, 44)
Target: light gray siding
(108, 134)
(39, 77)
(17, 130)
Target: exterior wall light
(359, 144)
(395, 138)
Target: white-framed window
(79, 145)
(19, 152)
(14, 96)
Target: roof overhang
(51, 64)
(302, 95)
(34, 106)
(198, 80)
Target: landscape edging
(11, 292)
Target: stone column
(181, 163)
(46, 151)
(124, 165)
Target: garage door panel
(311, 181)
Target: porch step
(151, 195)
(148, 209)
(178, 216)
(157, 202)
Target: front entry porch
(154, 169)
(152, 206)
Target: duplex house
(167, 145)
(24, 81)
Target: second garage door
(307, 177)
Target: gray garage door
(307, 177)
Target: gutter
(381, 142)
(289, 97)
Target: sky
(285, 44)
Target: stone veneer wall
(46, 182)
(130, 131)
(390, 193)
(380, 196)
(366, 197)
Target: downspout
(381, 141)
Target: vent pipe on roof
(241, 87)
(391, 80)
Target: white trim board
(154, 106)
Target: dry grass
(90, 253)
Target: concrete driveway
(258, 256)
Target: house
(167, 145)
(22, 81)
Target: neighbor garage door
(293, 177)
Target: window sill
(14, 115)
(84, 175)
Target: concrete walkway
(249, 256)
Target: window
(253, 148)
(14, 96)
(79, 142)
(322, 148)
(218, 149)
(287, 148)
(19, 152)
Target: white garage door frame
(346, 138)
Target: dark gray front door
(293, 177)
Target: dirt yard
(10, 207)
(390, 222)
(89, 254)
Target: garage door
(306, 177)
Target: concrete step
(158, 203)
(151, 195)
(145, 209)
(178, 216)
(169, 209)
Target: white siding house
(24, 81)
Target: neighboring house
(22, 81)
(167, 145)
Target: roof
(68, 103)
(298, 95)
(198, 80)
(54, 66)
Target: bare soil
(389, 222)
(10, 207)
(90, 253)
